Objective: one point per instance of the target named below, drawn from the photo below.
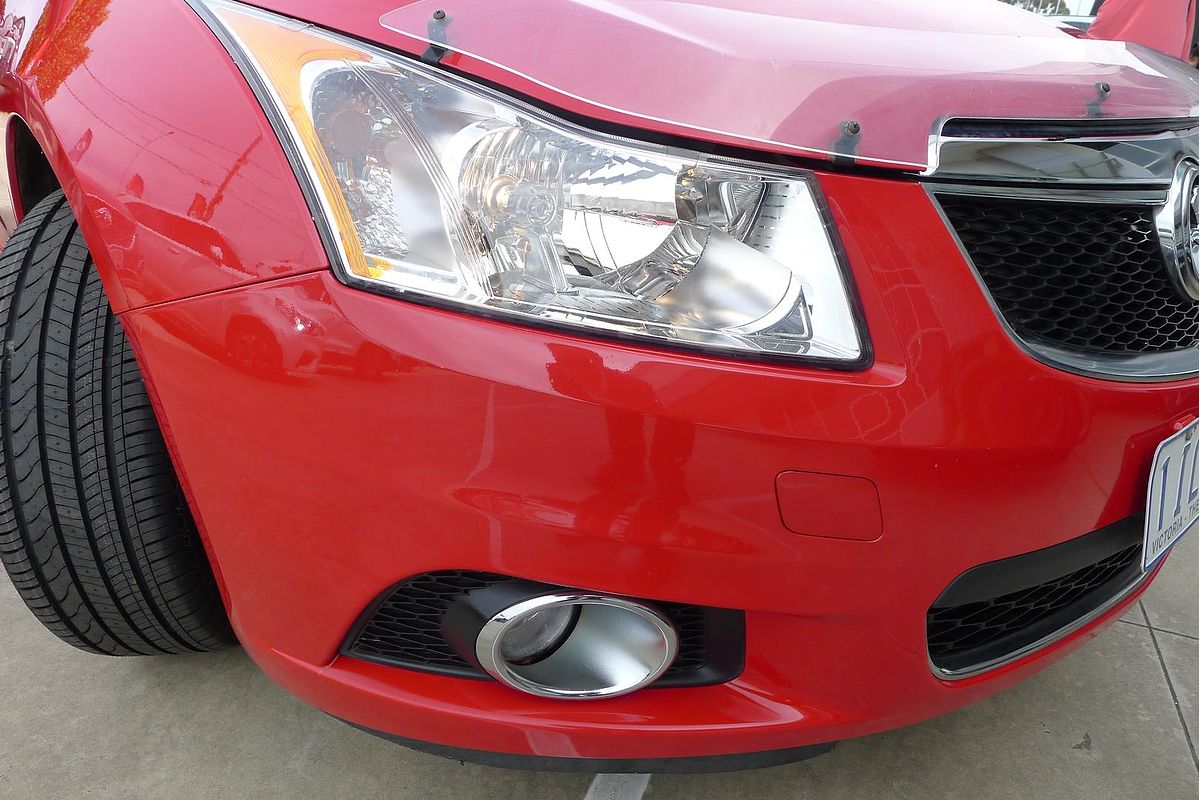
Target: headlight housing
(445, 192)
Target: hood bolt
(851, 128)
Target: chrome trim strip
(1057, 194)
(1106, 159)
(1045, 641)
(646, 658)
(1138, 368)
(1174, 365)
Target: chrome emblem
(1178, 224)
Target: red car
(595, 384)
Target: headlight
(445, 192)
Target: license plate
(1172, 501)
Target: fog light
(537, 635)
(576, 646)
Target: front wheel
(94, 529)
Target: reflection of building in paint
(1074, 8)
(1048, 6)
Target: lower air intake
(403, 628)
(1001, 610)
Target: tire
(94, 529)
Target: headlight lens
(446, 192)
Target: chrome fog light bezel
(607, 628)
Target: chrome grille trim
(1082, 156)
(1056, 194)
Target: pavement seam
(1171, 686)
(1160, 630)
(1175, 633)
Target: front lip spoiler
(733, 762)
(1050, 638)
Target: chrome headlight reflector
(442, 191)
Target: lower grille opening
(998, 610)
(403, 628)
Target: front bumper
(425, 440)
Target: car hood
(872, 80)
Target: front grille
(403, 628)
(999, 609)
(1079, 276)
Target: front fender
(167, 159)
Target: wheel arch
(174, 174)
(31, 178)
(139, 114)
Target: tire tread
(94, 530)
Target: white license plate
(1172, 501)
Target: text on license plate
(1172, 501)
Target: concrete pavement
(1115, 720)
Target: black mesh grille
(405, 629)
(693, 651)
(1083, 277)
(965, 634)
